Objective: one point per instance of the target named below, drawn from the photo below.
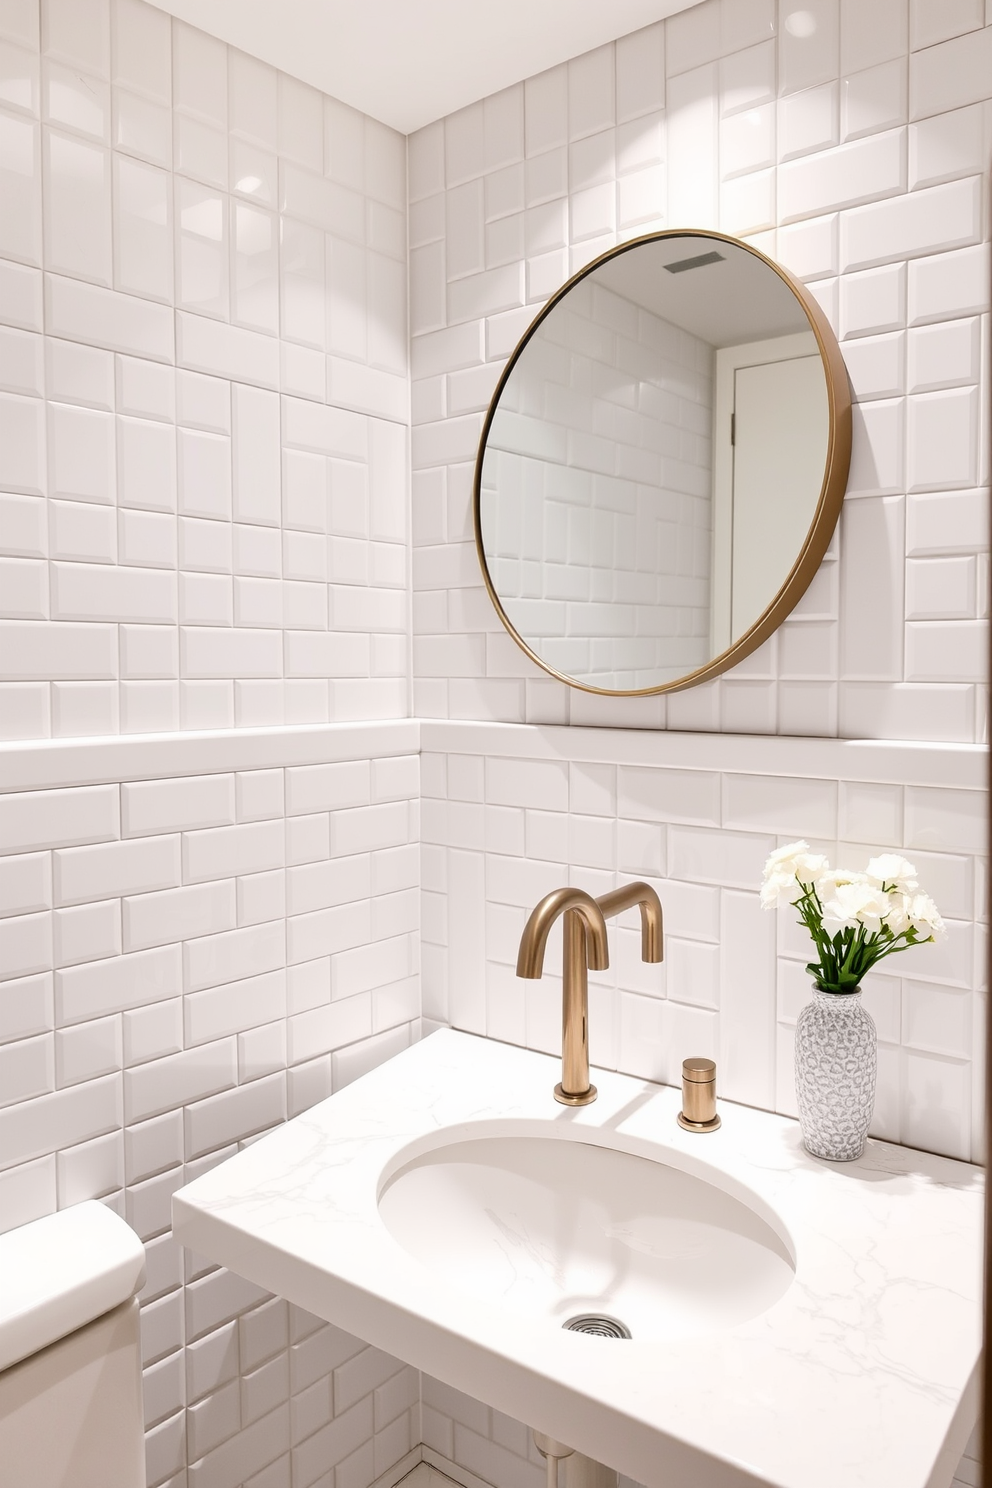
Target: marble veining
(863, 1373)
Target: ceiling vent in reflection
(699, 262)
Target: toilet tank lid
(61, 1272)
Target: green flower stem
(846, 958)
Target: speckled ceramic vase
(836, 1059)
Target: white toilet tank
(70, 1358)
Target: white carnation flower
(779, 888)
(897, 919)
(809, 866)
(832, 879)
(780, 861)
(924, 917)
(795, 862)
(890, 868)
(853, 905)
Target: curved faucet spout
(530, 957)
(652, 924)
(585, 945)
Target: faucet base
(586, 1098)
(698, 1126)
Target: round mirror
(662, 465)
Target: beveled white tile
(591, 92)
(77, 208)
(142, 127)
(252, 100)
(76, 101)
(873, 301)
(877, 451)
(876, 365)
(142, 49)
(79, 374)
(464, 145)
(142, 230)
(946, 650)
(927, 221)
(693, 37)
(948, 285)
(81, 453)
(502, 128)
(747, 78)
(21, 362)
(934, 21)
(938, 1019)
(808, 43)
(870, 34)
(255, 287)
(951, 74)
(864, 170)
(20, 179)
(254, 173)
(937, 1105)
(201, 249)
(693, 128)
(146, 464)
(944, 355)
(301, 123)
(19, 78)
(200, 151)
(808, 121)
(942, 438)
(874, 99)
(747, 140)
(941, 588)
(199, 74)
(805, 808)
(78, 32)
(640, 72)
(948, 145)
(871, 597)
(870, 813)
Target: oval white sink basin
(557, 1228)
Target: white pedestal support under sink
(794, 1322)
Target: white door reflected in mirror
(770, 417)
(665, 451)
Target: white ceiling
(727, 304)
(408, 62)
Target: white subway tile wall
(854, 148)
(185, 961)
(511, 813)
(203, 385)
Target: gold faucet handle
(698, 1113)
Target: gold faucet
(585, 946)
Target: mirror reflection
(653, 463)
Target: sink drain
(598, 1325)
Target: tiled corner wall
(208, 936)
(610, 581)
(851, 141)
(203, 385)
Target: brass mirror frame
(828, 506)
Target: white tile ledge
(45, 764)
(883, 761)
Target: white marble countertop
(863, 1375)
